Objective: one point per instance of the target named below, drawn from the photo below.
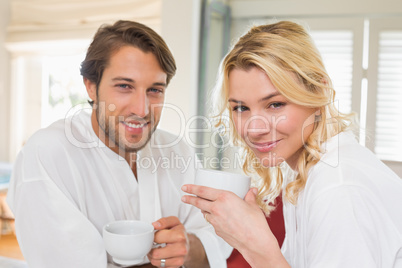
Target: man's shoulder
(52, 133)
(61, 133)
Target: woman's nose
(257, 125)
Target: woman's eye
(277, 105)
(240, 109)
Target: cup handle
(156, 245)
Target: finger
(163, 263)
(202, 191)
(251, 196)
(203, 204)
(166, 223)
(206, 216)
(174, 235)
(171, 262)
(170, 251)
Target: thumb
(166, 223)
(251, 196)
(157, 225)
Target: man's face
(129, 99)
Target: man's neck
(130, 157)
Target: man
(80, 173)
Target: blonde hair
(287, 54)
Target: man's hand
(181, 248)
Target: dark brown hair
(109, 38)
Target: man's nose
(139, 104)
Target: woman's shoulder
(343, 154)
(349, 164)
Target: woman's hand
(241, 223)
(233, 218)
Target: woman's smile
(265, 147)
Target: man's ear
(91, 88)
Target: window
(388, 128)
(336, 48)
(37, 69)
(341, 43)
(63, 87)
(385, 87)
(364, 60)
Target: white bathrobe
(349, 214)
(66, 185)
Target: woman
(340, 201)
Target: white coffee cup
(223, 180)
(128, 241)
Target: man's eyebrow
(160, 84)
(123, 79)
(133, 81)
(261, 100)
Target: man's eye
(155, 90)
(123, 86)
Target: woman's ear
(91, 88)
(317, 115)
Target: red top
(277, 225)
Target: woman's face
(274, 128)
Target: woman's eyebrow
(235, 101)
(269, 96)
(261, 100)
